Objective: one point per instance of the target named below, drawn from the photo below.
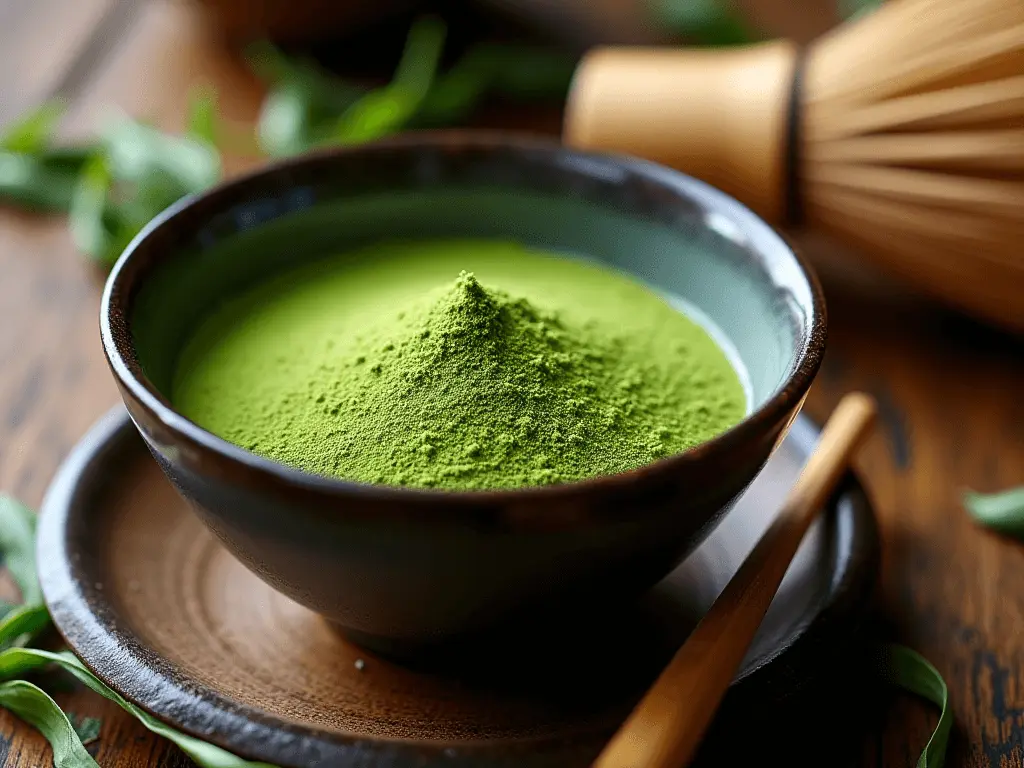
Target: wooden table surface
(952, 396)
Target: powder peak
(466, 307)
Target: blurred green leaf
(301, 102)
(388, 109)
(1002, 511)
(137, 172)
(851, 9)
(33, 132)
(91, 230)
(202, 116)
(24, 622)
(17, 544)
(135, 150)
(284, 124)
(706, 22)
(516, 71)
(27, 182)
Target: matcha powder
(468, 388)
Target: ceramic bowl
(404, 571)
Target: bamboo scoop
(668, 724)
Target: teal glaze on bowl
(412, 570)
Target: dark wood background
(952, 396)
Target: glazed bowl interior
(698, 247)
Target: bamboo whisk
(903, 135)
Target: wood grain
(952, 416)
(31, 66)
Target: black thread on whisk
(792, 193)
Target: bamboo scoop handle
(667, 725)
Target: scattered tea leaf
(386, 110)
(34, 131)
(22, 625)
(706, 22)
(35, 707)
(136, 172)
(18, 547)
(1002, 511)
(851, 9)
(515, 71)
(284, 123)
(301, 103)
(202, 116)
(96, 229)
(17, 662)
(135, 151)
(33, 174)
(37, 183)
(87, 728)
(907, 669)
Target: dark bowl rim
(781, 406)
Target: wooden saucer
(155, 606)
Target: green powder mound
(467, 387)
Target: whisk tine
(952, 230)
(943, 33)
(997, 53)
(993, 154)
(949, 273)
(938, 190)
(998, 104)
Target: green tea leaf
(87, 728)
(851, 9)
(137, 173)
(202, 116)
(34, 131)
(515, 71)
(36, 708)
(386, 110)
(706, 22)
(135, 150)
(20, 661)
(907, 669)
(302, 103)
(18, 547)
(23, 624)
(35, 183)
(326, 95)
(1003, 511)
(284, 124)
(91, 228)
